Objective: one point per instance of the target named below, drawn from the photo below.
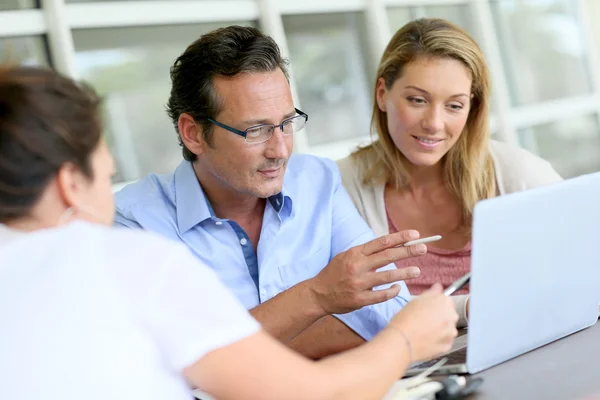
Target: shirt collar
(193, 207)
(282, 202)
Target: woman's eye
(416, 100)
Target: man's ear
(191, 134)
(71, 184)
(381, 94)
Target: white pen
(419, 241)
(458, 284)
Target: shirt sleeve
(349, 230)
(460, 305)
(191, 313)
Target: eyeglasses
(261, 133)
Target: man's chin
(267, 190)
(267, 194)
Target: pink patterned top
(438, 265)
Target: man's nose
(277, 146)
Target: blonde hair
(468, 168)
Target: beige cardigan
(516, 170)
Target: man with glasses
(278, 228)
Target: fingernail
(421, 248)
(412, 234)
(415, 271)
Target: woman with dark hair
(90, 311)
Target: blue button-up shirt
(304, 227)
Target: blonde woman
(433, 159)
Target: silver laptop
(535, 271)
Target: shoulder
(352, 170)
(351, 176)
(518, 169)
(149, 203)
(145, 246)
(303, 162)
(348, 169)
(152, 188)
(99, 244)
(133, 255)
(305, 170)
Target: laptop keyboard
(456, 357)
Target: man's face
(250, 99)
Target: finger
(393, 254)
(379, 296)
(388, 241)
(455, 317)
(450, 335)
(447, 333)
(434, 290)
(379, 278)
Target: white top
(90, 312)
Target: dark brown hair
(223, 52)
(46, 120)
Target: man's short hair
(223, 52)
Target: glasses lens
(259, 134)
(294, 124)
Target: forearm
(363, 373)
(289, 313)
(367, 372)
(325, 337)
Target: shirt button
(243, 241)
(263, 292)
(218, 223)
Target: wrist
(402, 332)
(397, 345)
(409, 347)
(311, 299)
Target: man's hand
(346, 283)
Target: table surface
(565, 369)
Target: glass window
(100, 1)
(458, 14)
(23, 50)
(328, 56)
(593, 10)
(17, 4)
(129, 67)
(399, 16)
(543, 49)
(572, 146)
